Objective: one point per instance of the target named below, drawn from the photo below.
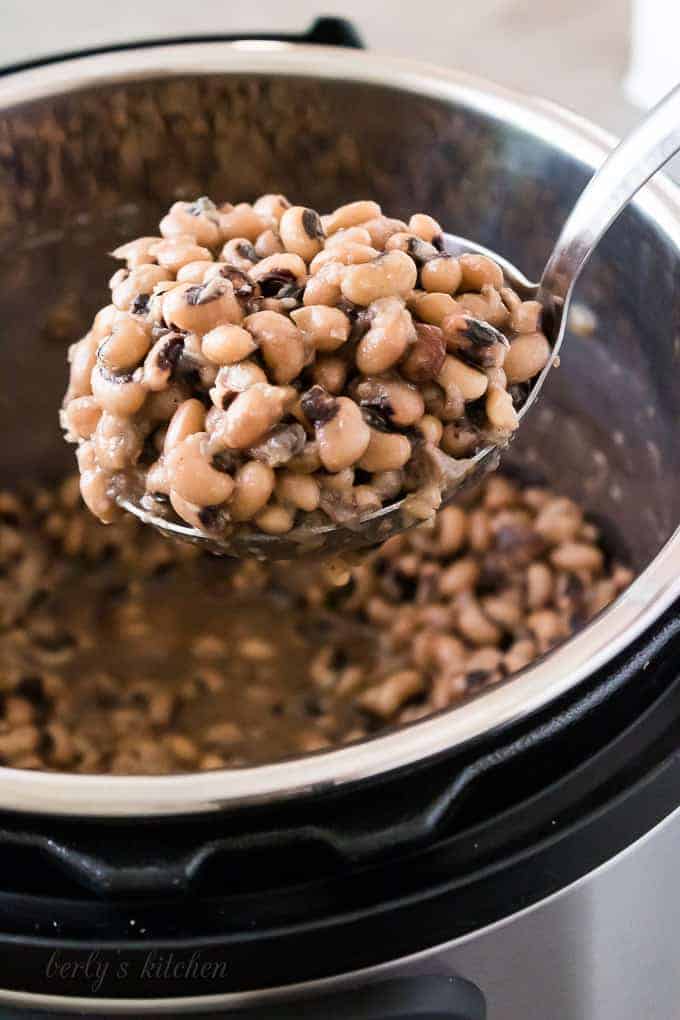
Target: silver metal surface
(100, 145)
(604, 948)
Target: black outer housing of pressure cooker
(348, 878)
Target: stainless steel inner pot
(92, 149)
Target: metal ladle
(637, 158)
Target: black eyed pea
(478, 271)
(475, 341)
(253, 485)
(487, 306)
(298, 490)
(281, 342)
(301, 231)
(137, 252)
(280, 445)
(120, 395)
(381, 228)
(175, 252)
(344, 437)
(198, 308)
(433, 308)
(441, 275)
(340, 482)
(431, 429)
(386, 451)
(528, 355)
(192, 475)
(308, 461)
(348, 254)
(275, 519)
(240, 253)
(324, 328)
(242, 221)
(194, 272)
(387, 484)
(386, 341)
(161, 361)
(268, 243)
(187, 419)
(471, 383)
(500, 410)
(250, 416)
(425, 356)
(103, 322)
(271, 208)
(127, 344)
(526, 317)
(355, 235)
(234, 379)
(198, 219)
(324, 288)
(276, 271)
(79, 418)
(82, 357)
(366, 499)
(157, 480)
(228, 344)
(426, 227)
(160, 407)
(459, 440)
(420, 251)
(393, 274)
(353, 214)
(117, 442)
(330, 371)
(395, 401)
(202, 518)
(94, 486)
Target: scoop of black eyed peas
(262, 365)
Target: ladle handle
(638, 157)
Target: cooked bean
(194, 272)
(576, 556)
(467, 380)
(280, 445)
(198, 219)
(126, 345)
(341, 431)
(500, 410)
(351, 215)
(389, 335)
(271, 208)
(486, 306)
(301, 231)
(82, 357)
(250, 416)
(426, 227)
(253, 486)
(188, 419)
(420, 251)
(385, 698)
(281, 342)
(478, 271)
(192, 475)
(528, 355)
(393, 400)
(117, 442)
(348, 254)
(324, 288)
(241, 221)
(275, 520)
(268, 243)
(234, 379)
(300, 491)
(136, 253)
(441, 275)
(433, 308)
(175, 252)
(138, 283)
(475, 625)
(308, 460)
(431, 428)
(79, 418)
(121, 395)
(354, 235)
(381, 228)
(200, 308)
(330, 371)
(279, 270)
(324, 328)
(391, 275)
(226, 345)
(386, 451)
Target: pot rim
(652, 592)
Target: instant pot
(514, 858)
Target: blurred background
(599, 57)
